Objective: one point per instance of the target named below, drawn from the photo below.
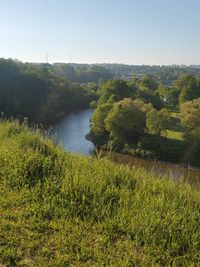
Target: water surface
(70, 132)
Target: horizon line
(101, 63)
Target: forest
(35, 92)
(166, 74)
(143, 117)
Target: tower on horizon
(46, 58)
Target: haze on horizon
(137, 32)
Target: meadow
(62, 209)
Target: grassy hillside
(59, 209)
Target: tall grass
(60, 209)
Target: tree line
(84, 73)
(81, 74)
(34, 91)
(165, 74)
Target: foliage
(99, 132)
(126, 128)
(158, 121)
(190, 115)
(126, 120)
(62, 70)
(170, 95)
(93, 104)
(149, 96)
(166, 74)
(125, 124)
(146, 89)
(114, 91)
(190, 90)
(190, 118)
(81, 74)
(166, 149)
(148, 82)
(58, 209)
(32, 91)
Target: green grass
(176, 135)
(175, 114)
(175, 130)
(60, 209)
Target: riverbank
(63, 209)
(176, 171)
(190, 175)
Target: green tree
(190, 117)
(98, 131)
(114, 91)
(157, 121)
(147, 91)
(190, 91)
(150, 97)
(31, 90)
(182, 81)
(169, 96)
(126, 121)
(62, 70)
(149, 82)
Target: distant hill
(166, 74)
(81, 73)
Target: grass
(175, 114)
(60, 209)
(175, 130)
(176, 135)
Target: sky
(137, 32)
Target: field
(60, 209)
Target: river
(70, 133)
(71, 130)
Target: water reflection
(70, 132)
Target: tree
(152, 121)
(134, 85)
(31, 90)
(62, 70)
(98, 129)
(149, 82)
(182, 81)
(147, 91)
(114, 91)
(170, 95)
(157, 121)
(150, 97)
(190, 91)
(190, 117)
(126, 121)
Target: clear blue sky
(92, 31)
